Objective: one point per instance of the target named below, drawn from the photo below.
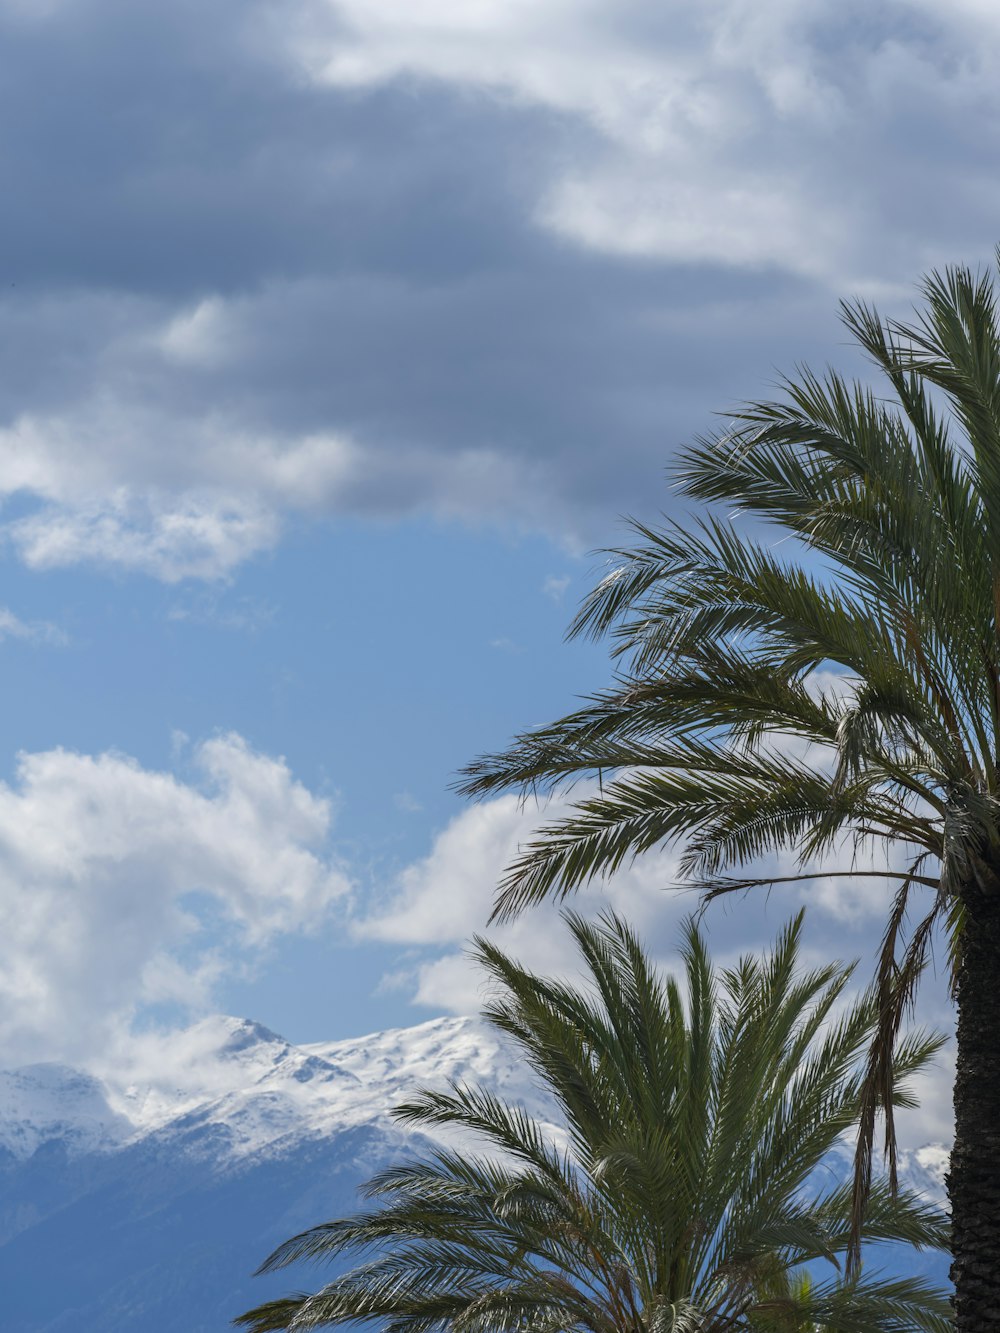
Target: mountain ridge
(160, 1185)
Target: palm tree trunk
(974, 1177)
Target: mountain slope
(143, 1200)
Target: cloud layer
(488, 262)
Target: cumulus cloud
(446, 897)
(171, 537)
(440, 901)
(122, 886)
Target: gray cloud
(363, 258)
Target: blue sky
(334, 334)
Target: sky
(336, 336)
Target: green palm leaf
(696, 1112)
(853, 530)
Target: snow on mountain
(39, 1103)
(266, 1095)
(173, 1075)
(161, 1181)
(390, 1065)
(259, 1090)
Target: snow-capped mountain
(253, 1086)
(39, 1103)
(143, 1199)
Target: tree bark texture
(974, 1175)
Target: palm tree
(679, 1197)
(886, 588)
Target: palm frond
(696, 1115)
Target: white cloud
(725, 133)
(121, 886)
(122, 483)
(33, 631)
(218, 608)
(171, 537)
(630, 208)
(439, 902)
